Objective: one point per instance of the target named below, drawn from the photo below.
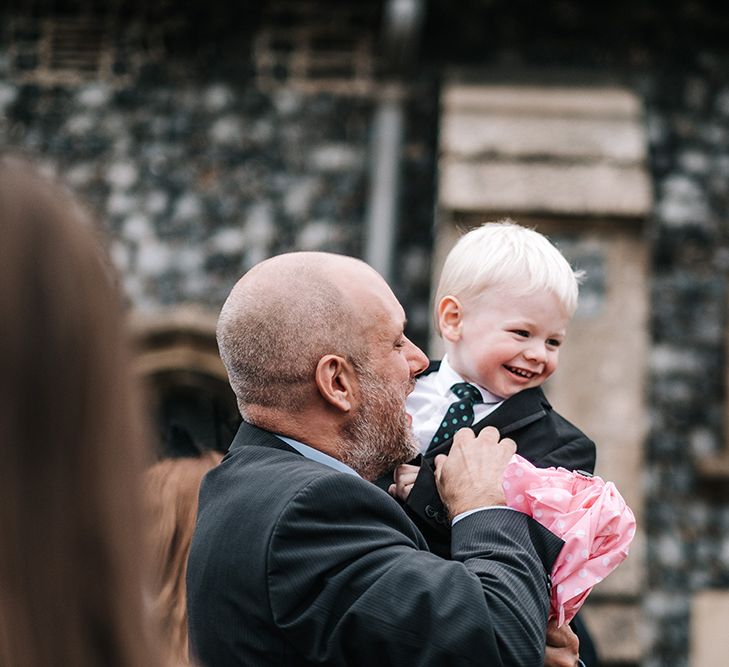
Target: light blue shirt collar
(316, 455)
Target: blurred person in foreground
(297, 559)
(171, 488)
(71, 442)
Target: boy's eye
(521, 332)
(553, 342)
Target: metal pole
(382, 214)
(402, 22)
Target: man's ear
(334, 380)
(450, 318)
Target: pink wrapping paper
(587, 513)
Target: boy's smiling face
(504, 341)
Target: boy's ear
(450, 318)
(335, 380)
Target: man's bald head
(282, 317)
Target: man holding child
(297, 558)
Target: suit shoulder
(262, 476)
(537, 400)
(566, 429)
(337, 508)
(574, 450)
(533, 396)
(332, 492)
(300, 481)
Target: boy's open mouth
(520, 372)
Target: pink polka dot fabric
(587, 513)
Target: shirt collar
(317, 455)
(447, 377)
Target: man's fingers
(401, 491)
(488, 439)
(406, 474)
(439, 463)
(491, 435)
(471, 475)
(563, 636)
(509, 445)
(563, 646)
(463, 436)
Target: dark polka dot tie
(459, 414)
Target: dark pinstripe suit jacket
(294, 563)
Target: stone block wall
(196, 183)
(200, 165)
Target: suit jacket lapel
(516, 412)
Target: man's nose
(417, 359)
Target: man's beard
(379, 436)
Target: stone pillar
(709, 639)
(571, 163)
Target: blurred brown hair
(171, 490)
(71, 441)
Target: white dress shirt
(431, 397)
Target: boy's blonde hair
(504, 254)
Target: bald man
(297, 559)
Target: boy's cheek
(550, 369)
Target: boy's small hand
(405, 476)
(470, 476)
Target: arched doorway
(190, 403)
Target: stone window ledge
(714, 468)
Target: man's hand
(470, 476)
(405, 476)
(563, 647)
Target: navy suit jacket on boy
(542, 436)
